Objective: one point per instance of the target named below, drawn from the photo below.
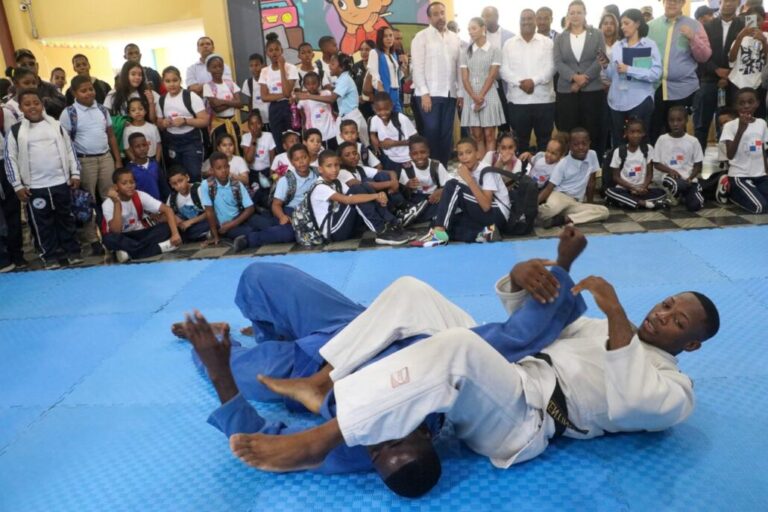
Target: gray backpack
(305, 226)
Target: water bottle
(720, 97)
(295, 118)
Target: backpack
(136, 200)
(195, 199)
(292, 186)
(524, 201)
(434, 165)
(213, 188)
(320, 71)
(72, 112)
(306, 229)
(607, 172)
(186, 98)
(82, 205)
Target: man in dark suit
(713, 74)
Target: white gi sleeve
(645, 392)
(512, 301)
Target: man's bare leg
(295, 452)
(308, 391)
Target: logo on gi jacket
(399, 378)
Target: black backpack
(195, 199)
(523, 198)
(607, 172)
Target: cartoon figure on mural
(361, 20)
(350, 22)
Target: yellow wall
(63, 18)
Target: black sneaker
(20, 263)
(392, 237)
(412, 213)
(240, 243)
(5, 268)
(75, 260)
(97, 249)
(556, 221)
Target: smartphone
(750, 21)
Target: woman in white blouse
(384, 67)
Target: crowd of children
(289, 157)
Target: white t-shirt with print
(319, 115)
(425, 177)
(130, 217)
(399, 154)
(749, 160)
(540, 170)
(345, 175)
(150, 132)
(185, 204)
(320, 203)
(635, 166)
(678, 153)
(255, 95)
(493, 182)
(174, 107)
(223, 91)
(273, 79)
(264, 145)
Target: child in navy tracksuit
(424, 180)
(41, 167)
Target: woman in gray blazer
(579, 88)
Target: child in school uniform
(348, 132)
(745, 139)
(677, 162)
(505, 155)
(146, 171)
(313, 139)
(41, 167)
(469, 211)
(390, 132)
(238, 167)
(305, 66)
(717, 185)
(281, 163)
(633, 176)
(228, 207)
(541, 165)
(277, 82)
(569, 189)
(424, 191)
(124, 227)
(340, 210)
(23, 79)
(258, 148)
(252, 89)
(290, 191)
(89, 126)
(139, 124)
(223, 97)
(318, 114)
(82, 67)
(187, 205)
(373, 180)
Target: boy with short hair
(228, 207)
(328, 47)
(186, 204)
(424, 179)
(390, 132)
(82, 67)
(41, 167)
(349, 132)
(313, 139)
(124, 227)
(89, 125)
(678, 161)
(317, 114)
(146, 171)
(251, 88)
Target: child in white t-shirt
(317, 114)
(349, 132)
(745, 139)
(139, 124)
(252, 89)
(423, 180)
(259, 150)
(238, 168)
(677, 160)
(124, 227)
(632, 167)
(281, 163)
(541, 165)
(505, 155)
(187, 205)
(223, 97)
(389, 133)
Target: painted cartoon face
(357, 12)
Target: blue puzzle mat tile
(14, 420)
(755, 288)
(736, 253)
(42, 359)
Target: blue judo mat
(101, 408)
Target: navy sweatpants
(626, 199)
(750, 193)
(52, 222)
(689, 192)
(460, 214)
(138, 244)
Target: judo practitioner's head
(680, 323)
(409, 466)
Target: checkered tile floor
(712, 216)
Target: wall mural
(350, 22)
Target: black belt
(557, 408)
(81, 155)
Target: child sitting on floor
(313, 139)
(338, 211)
(238, 169)
(281, 163)
(505, 155)
(146, 171)
(124, 227)
(348, 132)
(716, 186)
(290, 191)
(423, 180)
(186, 204)
(228, 207)
(390, 132)
(677, 160)
(632, 168)
(352, 173)
(745, 139)
(258, 148)
(471, 207)
(139, 124)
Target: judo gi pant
(580, 213)
(688, 192)
(750, 193)
(626, 199)
(52, 222)
(143, 243)
(460, 213)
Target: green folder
(642, 62)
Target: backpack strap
(196, 197)
(292, 184)
(236, 193)
(320, 70)
(72, 113)
(162, 104)
(622, 156)
(213, 188)
(186, 98)
(495, 170)
(136, 200)
(250, 89)
(172, 200)
(434, 165)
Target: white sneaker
(8, 268)
(167, 246)
(122, 256)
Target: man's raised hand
(534, 277)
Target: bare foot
(179, 329)
(572, 244)
(309, 391)
(293, 452)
